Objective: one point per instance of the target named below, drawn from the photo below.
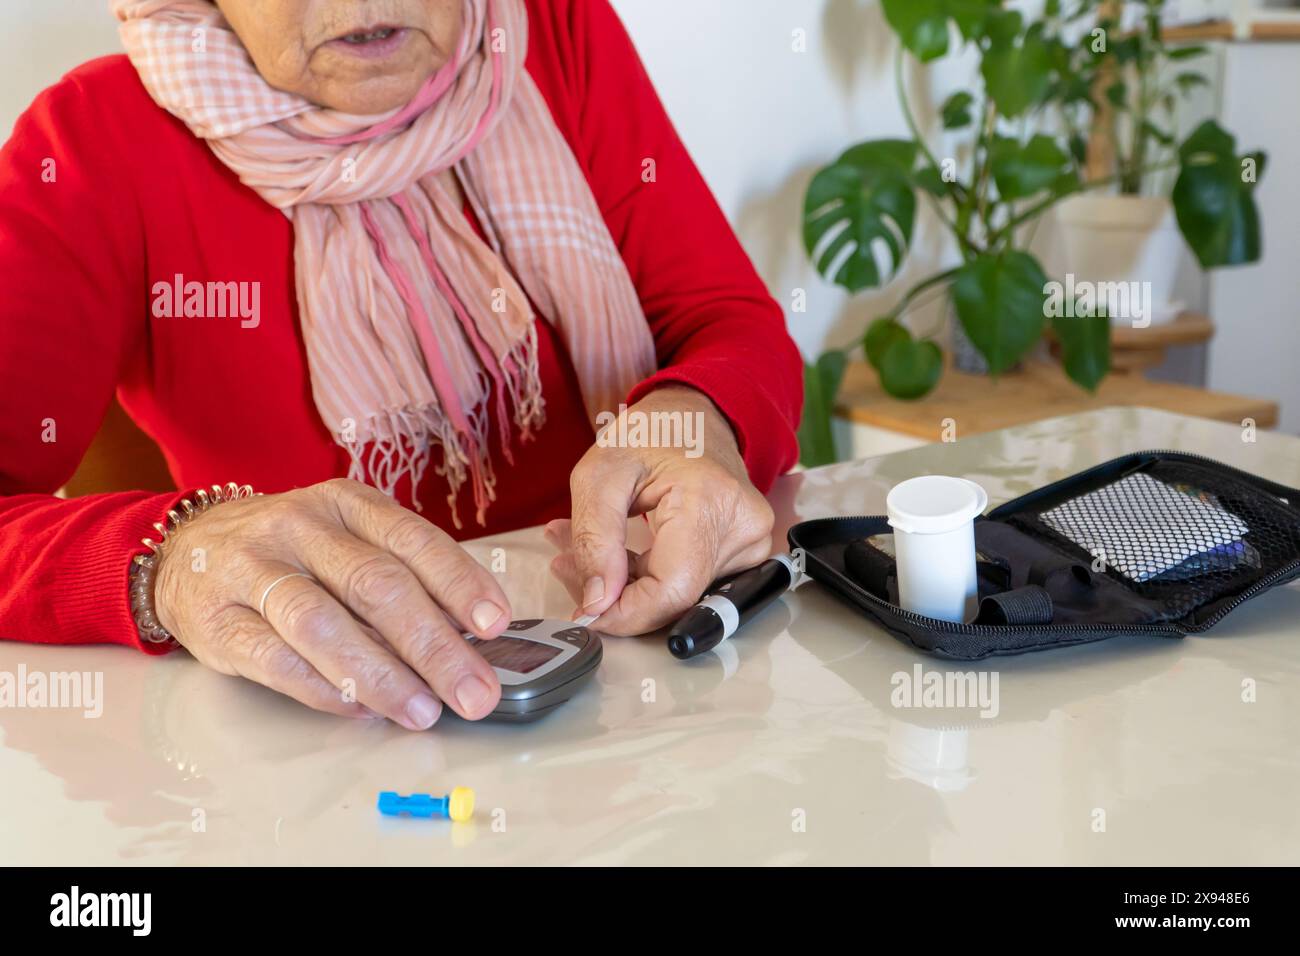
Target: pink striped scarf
(412, 324)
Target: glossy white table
(786, 749)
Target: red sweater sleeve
(67, 322)
(715, 326)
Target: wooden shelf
(1190, 328)
(1199, 32)
(1040, 390)
(1280, 30)
(1262, 30)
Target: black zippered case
(1157, 543)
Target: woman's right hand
(374, 630)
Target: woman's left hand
(706, 517)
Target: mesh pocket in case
(1156, 543)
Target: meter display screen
(513, 654)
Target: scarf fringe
(524, 382)
(400, 443)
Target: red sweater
(102, 194)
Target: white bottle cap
(934, 504)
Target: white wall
(1257, 308)
(40, 40)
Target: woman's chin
(352, 83)
(370, 97)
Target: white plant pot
(1102, 240)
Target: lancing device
(729, 604)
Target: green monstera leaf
(859, 214)
(881, 334)
(971, 15)
(1023, 169)
(999, 300)
(908, 369)
(922, 25)
(821, 383)
(1085, 347)
(896, 154)
(956, 110)
(1017, 64)
(1214, 198)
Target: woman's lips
(373, 43)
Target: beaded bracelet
(144, 567)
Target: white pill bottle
(933, 518)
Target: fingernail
(484, 614)
(471, 694)
(593, 590)
(422, 711)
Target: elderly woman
(388, 263)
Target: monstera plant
(1024, 151)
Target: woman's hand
(707, 519)
(374, 630)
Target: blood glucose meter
(540, 664)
